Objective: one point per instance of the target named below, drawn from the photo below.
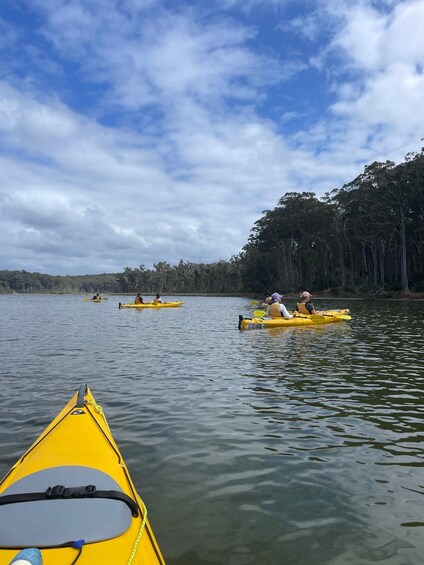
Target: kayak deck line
(61, 492)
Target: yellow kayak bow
(71, 496)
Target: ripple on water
(295, 445)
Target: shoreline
(414, 296)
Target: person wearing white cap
(276, 309)
(305, 305)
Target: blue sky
(138, 131)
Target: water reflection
(295, 445)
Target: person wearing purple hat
(276, 309)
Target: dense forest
(23, 281)
(364, 238)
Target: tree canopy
(367, 235)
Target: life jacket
(137, 300)
(274, 310)
(300, 307)
(156, 301)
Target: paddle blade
(259, 313)
(319, 319)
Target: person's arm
(310, 308)
(285, 312)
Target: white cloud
(83, 188)
(176, 158)
(387, 49)
(375, 40)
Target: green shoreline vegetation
(365, 239)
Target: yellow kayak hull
(327, 317)
(80, 436)
(150, 305)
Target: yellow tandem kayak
(71, 496)
(151, 305)
(327, 317)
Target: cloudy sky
(137, 131)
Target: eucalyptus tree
(295, 244)
(381, 212)
(407, 196)
(366, 222)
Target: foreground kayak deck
(150, 305)
(76, 451)
(328, 317)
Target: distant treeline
(23, 281)
(186, 277)
(364, 238)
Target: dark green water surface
(287, 446)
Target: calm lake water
(294, 445)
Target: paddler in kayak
(156, 299)
(276, 309)
(138, 299)
(267, 299)
(305, 306)
(96, 297)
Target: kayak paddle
(259, 313)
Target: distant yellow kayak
(151, 305)
(71, 496)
